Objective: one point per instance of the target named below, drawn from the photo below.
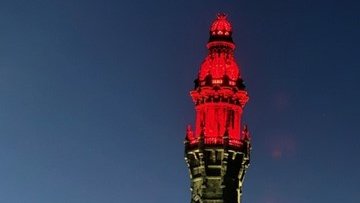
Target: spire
(217, 152)
(219, 93)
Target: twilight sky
(94, 98)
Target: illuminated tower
(217, 152)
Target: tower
(217, 152)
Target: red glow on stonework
(221, 26)
(219, 65)
(219, 93)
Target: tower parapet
(217, 152)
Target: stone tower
(217, 152)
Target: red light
(218, 98)
(218, 66)
(220, 25)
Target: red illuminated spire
(217, 151)
(219, 93)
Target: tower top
(221, 26)
(219, 94)
(220, 65)
(217, 152)
(221, 29)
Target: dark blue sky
(94, 98)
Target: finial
(222, 16)
(188, 128)
(189, 133)
(246, 133)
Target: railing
(217, 141)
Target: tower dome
(221, 29)
(221, 26)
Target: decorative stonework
(217, 152)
